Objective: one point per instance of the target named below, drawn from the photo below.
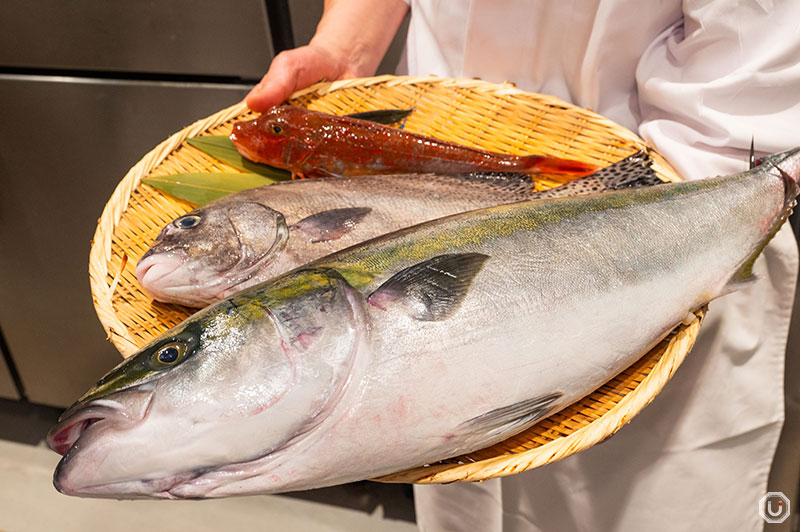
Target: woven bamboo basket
(496, 117)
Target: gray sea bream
(245, 238)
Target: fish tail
(791, 188)
(554, 165)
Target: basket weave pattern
(497, 117)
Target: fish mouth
(153, 267)
(76, 421)
(168, 277)
(160, 280)
(160, 274)
(121, 409)
(245, 137)
(85, 423)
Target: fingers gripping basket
(497, 117)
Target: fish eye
(169, 354)
(277, 129)
(188, 221)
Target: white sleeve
(728, 72)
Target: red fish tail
(555, 165)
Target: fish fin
(383, 116)
(321, 172)
(513, 418)
(744, 275)
(431, 290)
(332, 224)
(634, 171)
(736, 284)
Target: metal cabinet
(66, 143)
(175, 37)
(7, 388)
(89, 87)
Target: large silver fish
(255, 235)
(419, 345)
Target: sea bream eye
(277, 129)
(169, 354)
(187, 222)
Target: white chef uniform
(696, 79)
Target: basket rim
(596, 431)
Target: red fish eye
(277, 129)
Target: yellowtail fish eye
(170, 353)
(188, 221)
(277, 129)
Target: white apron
(696, 79)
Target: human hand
(296, 69)
(350, 41)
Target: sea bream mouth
(153, 267)
(159, 279)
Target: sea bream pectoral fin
(431, 290)
(332, 224)
(513, 418)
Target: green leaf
(201, 188)
(221, 147)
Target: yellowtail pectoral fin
(431, 290)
